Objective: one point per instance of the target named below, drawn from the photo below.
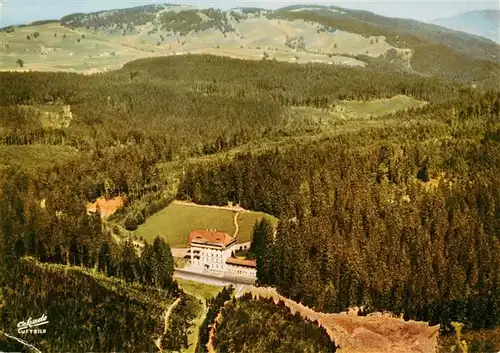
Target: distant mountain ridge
(300, 33)
(483, 23)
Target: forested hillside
(130, 131)
(258, 325)
(436, 51)
(399, 218)
(87, 311)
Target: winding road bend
(166, 316)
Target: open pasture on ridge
(55, 47)
(58, 48)
(348, 115)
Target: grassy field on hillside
(51, 115)
(55, 47)
(346, 116)
(246, 221)
(381, 106)
(33, 156)
(175, 222)
(206, 291)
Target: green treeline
(214, 307)
(258, 325)
(402, 218)
(86, 311)
(263, 230)
(95, 291)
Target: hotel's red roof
(210, 237)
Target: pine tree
(128, 261)
(148, 261)
(57, 258)
(164, 269)
(104, 258)
(74, 253)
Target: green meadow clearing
(175, 222)
(381, 106)
(206, 291)
(35, 156)
(246, 221)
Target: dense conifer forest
(397, 212)
(130, 127)
(259, 325)
(404, 219)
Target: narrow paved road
(228, 208)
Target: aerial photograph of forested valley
(250, 177)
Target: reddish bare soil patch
(378, 333)
(106, 207)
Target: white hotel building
(212, 251)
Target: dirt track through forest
(165, 322)
(211, 332)
(168, 312)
